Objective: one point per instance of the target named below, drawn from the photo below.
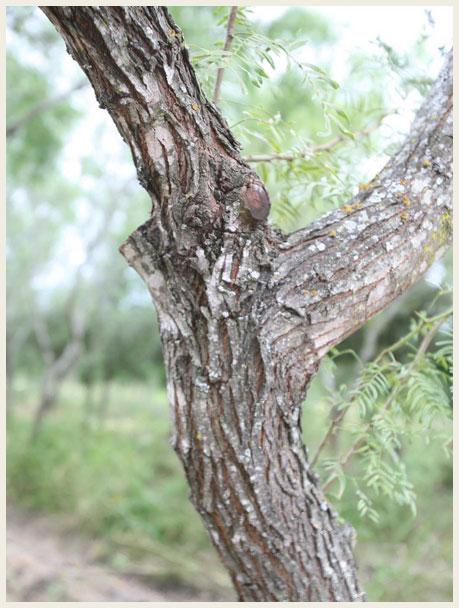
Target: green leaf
(315, 68)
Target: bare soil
(49, 561)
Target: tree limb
(337, 273)
(226, 48)
(144, 77)
(43, 339)
(58, 366)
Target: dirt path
(46, 562)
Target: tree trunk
(58, 367)
(54, 375)
(246, 313)
(104, 401)
(87, 406)
(14, 343)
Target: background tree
(260, 125)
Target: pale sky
(399, 26)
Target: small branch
(226, 48)
(266, 158)
(440, 317)
(421, 351)
(329, 433)
(41, 107)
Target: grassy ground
(119, 480)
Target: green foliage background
(103, 455)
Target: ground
(47, 560)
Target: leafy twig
(258, 158)
(421, 351)
(226, 48)
(390, 349)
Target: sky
(358, 27)
(398, 25)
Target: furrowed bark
(246, 313)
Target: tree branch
(334, 424)
(41, 107)
(266, 158)
(143, 75)
(337, 273)
(43, 339)
(226, 48)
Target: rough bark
(245, 312)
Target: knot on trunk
(255, 200)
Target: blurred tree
(120, 345)
(33, 145)
(57, 366)
(198, 440)
(49, 315)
